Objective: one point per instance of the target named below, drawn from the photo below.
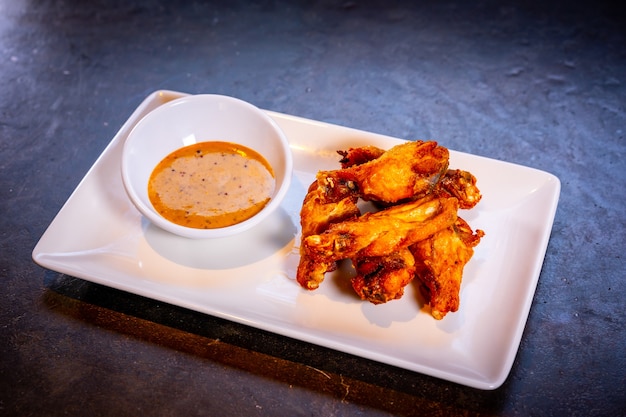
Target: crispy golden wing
(455, 183)
(315, 217)
(408, 170)
(317, 214)
(382, 278)
(380, 233)
(439, 264)
(459, 184)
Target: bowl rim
(194, 233)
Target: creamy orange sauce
(211, 184)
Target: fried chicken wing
(383, 278)
(408, 170)
(315, 217)
(439, 264)
(317, 214)
(455, 183)
(310, 273)
(460, 184)
(380, 233)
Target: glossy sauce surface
(210, 185)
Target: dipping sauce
(209, 185)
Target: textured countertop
(540, 84)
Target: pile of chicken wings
(415, 233)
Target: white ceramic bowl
(198, 118)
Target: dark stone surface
(537, 83)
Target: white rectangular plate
(99, 236)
